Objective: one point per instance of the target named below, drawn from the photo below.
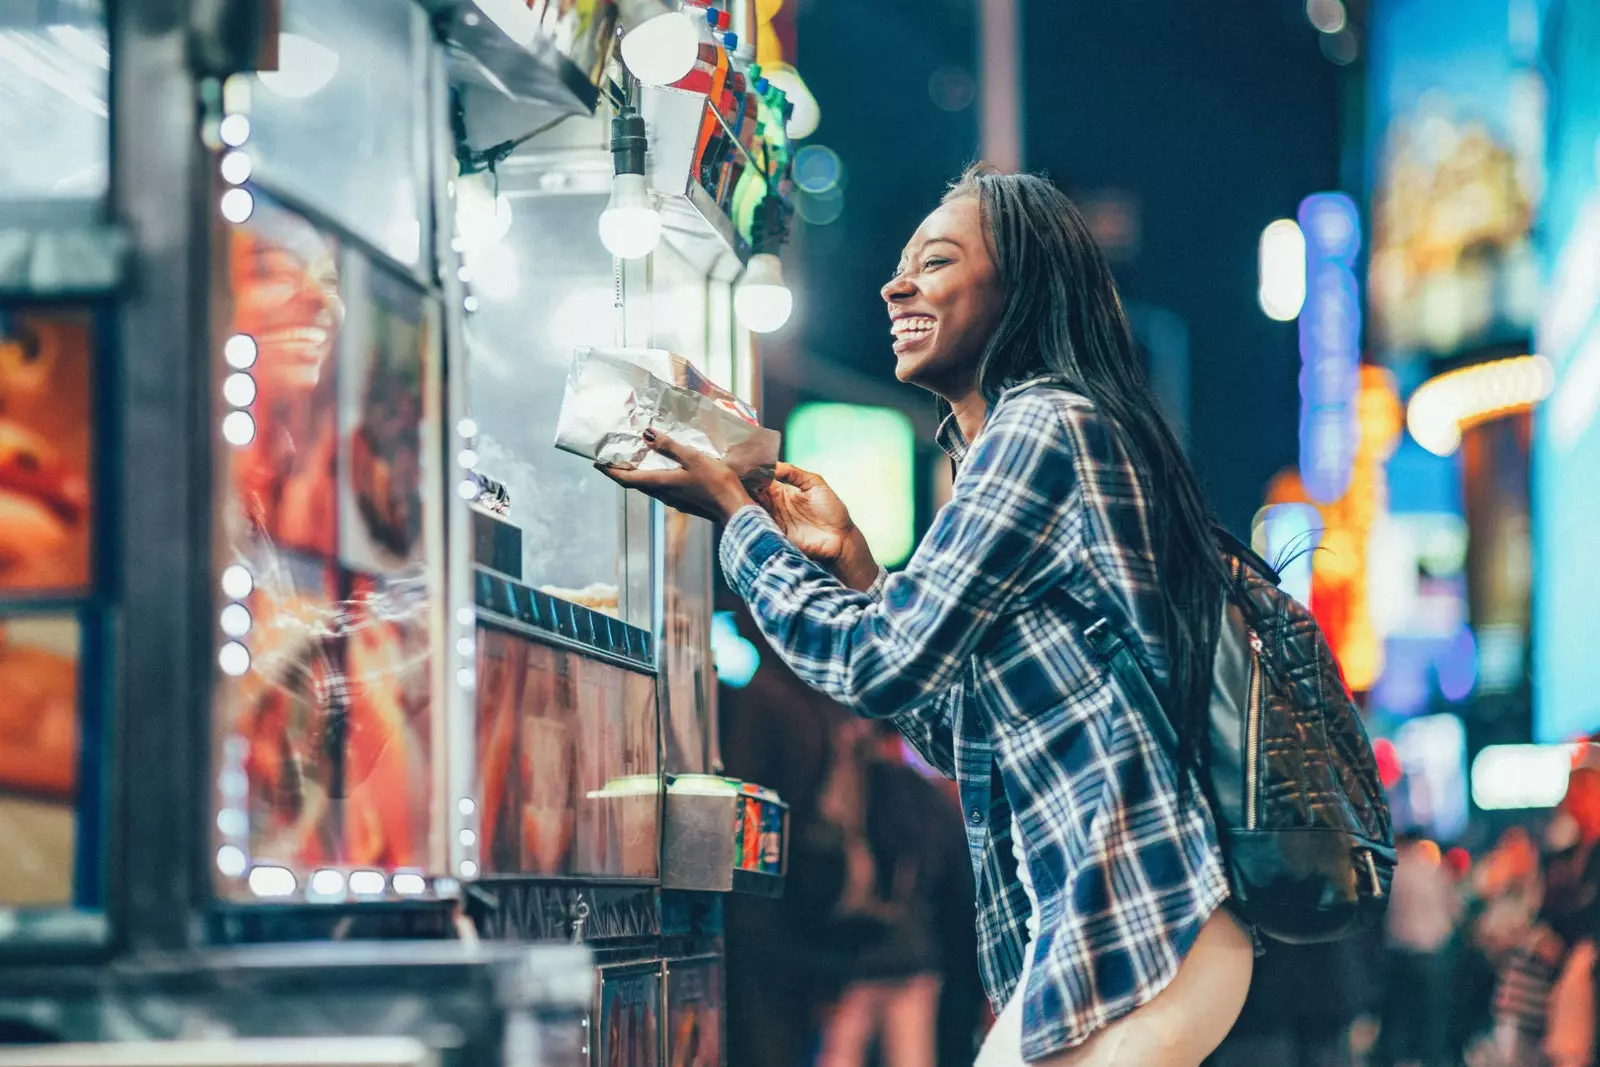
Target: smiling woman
(1004, 308)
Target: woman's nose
(898, 288)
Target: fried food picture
(39, 707)
(44, 453)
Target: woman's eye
(930, 264)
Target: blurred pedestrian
(1567, 915)
(1103, 939)
(1424, 907)
(1303, 1001)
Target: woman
(1101, 938)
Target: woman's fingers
(800, 478)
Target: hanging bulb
(762, 301)
(630, 226)
(661, 47)
(305, 67)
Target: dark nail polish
(650, 435)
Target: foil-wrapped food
(613, 395)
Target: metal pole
(1000, 96)
(162, 454)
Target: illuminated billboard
(1456, 144)
(1566, 512)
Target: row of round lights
(466, 645)
(1454, 401)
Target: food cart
(321, 659)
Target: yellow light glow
(1457, 400)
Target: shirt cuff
(748, 540)
(875, 590)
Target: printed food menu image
(381, 407)
(619, 779)
(46, 378)
(338, 711)
(694, 1013)
(568, 778)
(502, 660)
(545, 761)
(39, 727)
(287, 300)
(628, 1031)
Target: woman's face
(944, 301)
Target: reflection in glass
(330, 727)
(339, 125)
(38, 758)
(54, 119)
(546, 288)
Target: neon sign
(1330, 345)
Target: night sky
(1209, 119)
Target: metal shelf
(509, 605)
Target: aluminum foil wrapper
(614, 395)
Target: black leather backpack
(1292, 782)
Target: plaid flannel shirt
(972, 654)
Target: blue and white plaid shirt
(972, 653)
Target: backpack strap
(1103, 638)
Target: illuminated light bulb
(240, 351)
(409, 885)
(468, 869)
(232, 823)
(231, 861)
(236, 167)
(1282, 263)
(327, 882)
(468, 839)
(762, 301)
(807, 113)
(234, 130)
(467, 428)
(233, 658)
(467, 489)
(236, 582)
(466, 678)
(366, 883)
(272, 881)
(466, 616)
(630, 226)
(238, 428)
(239, 390)
(467, 805)
(468, 458)
(1328, 16)
(304, 67)
(235, 620)
(661, 49)
(482, 216)
(237, 205)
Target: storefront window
(54, 113)
(340, 125)
(545, 287)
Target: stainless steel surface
(697, 845)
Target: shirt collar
(950, 438)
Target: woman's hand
(812, 516)
(702, 485)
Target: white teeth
(911, 327)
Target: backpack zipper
(1252, 733)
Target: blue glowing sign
(736, 659)
(1330, 345)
